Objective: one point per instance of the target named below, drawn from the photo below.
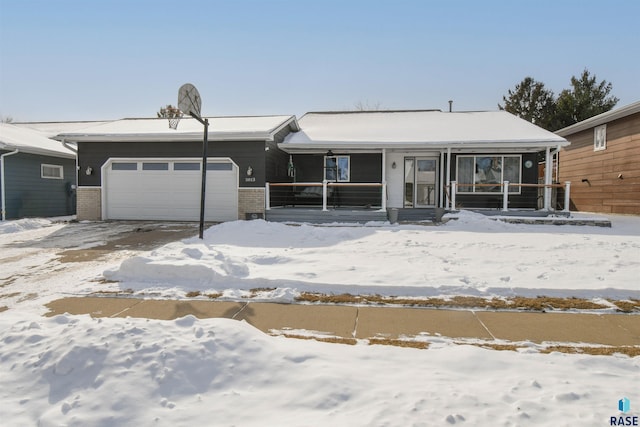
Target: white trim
(139, 160)
(606, 117)
(59, 168)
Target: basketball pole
(205, 143)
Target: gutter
(2, 182)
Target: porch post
(267, 197)
(441, 181)
(505, 196)
(324, 195)
(567, 197)
(547, 179)
(454, 188)
(450, 203)
(383, 197)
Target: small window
(186, 166)
(155, 166)
(600, 138)
(336, 168)
(51, 171)
(219, 166)
(122, 166)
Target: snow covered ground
(75, 370)
(472, 255)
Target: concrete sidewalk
(377, 322)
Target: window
(51, 171)
(121, 166)
(600, 138)
(155, 166)
(476, 174)
(186, 166)
(219, 166)
(336, 168)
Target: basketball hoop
(173, 121)
(173, 115)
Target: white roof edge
(157, 137)
(183, 136)
(457, 145)
(36, 150)
(601, 119)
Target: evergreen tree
(585, 99)
(532, 102)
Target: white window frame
(340, 177)
(600, 138)
(479, 190)
(59, 168)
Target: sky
(98, 60)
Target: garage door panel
(170, 194)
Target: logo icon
(624, 405)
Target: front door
(420, 182)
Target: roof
(418, 129)
(601, 119)
(261, 128)
(31, 141)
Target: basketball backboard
(189, 101)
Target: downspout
(2, 183)
(75, 150)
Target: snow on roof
(51, 129)
(393, 129)
(601, 119)
(156, 129)
(31, 141)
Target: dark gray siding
(527, 199)
(276, 160)
(30, 195)
(363, 168)
(243, 153)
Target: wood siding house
(603, 162)
(142, 169)
(37, 175)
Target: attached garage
(168, 189)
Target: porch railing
(505, 194)
(337, 194)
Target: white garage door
(166, 189)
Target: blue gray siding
(30, 195)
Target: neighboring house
(37, 174)
(410, 160)
(603, 161)
(142, 169)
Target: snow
(220, 128)
(76, 370)
(433, 128)
(31, 141)
(472, 255)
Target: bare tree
(169, 112)
(366, 106)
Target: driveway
(69, 258)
